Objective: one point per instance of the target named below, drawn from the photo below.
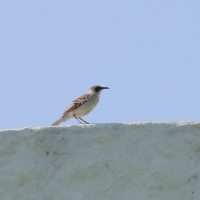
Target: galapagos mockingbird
(82, 105)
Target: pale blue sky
(147, 52)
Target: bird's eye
(97, 89)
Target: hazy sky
(147, 52)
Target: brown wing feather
(76, 103)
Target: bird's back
(87, 106)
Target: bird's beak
(105, 88)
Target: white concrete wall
(132, 161)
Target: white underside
(84, 109)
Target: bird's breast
(87, 107)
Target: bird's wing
(76, 103)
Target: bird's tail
(56, 123)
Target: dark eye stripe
(97, 89)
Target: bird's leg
(77, 119)
(84, 120)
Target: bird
(82, 105)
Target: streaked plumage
(82, 105)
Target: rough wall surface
(131, 161)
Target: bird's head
(97, 89)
